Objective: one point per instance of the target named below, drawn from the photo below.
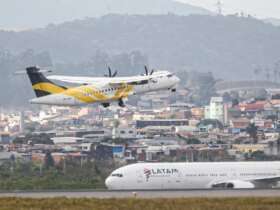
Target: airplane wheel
(121, 103)
(173, 90)
(105, 105)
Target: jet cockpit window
(170, 75)
(117, 175)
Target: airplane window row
(258, 174)
(117, 175)
(242, 174)
(102, 91)
(200, 175)
(143, 82)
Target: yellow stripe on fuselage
(48, 87)
(94, 92)
(79, 95)
(85, 94)
(123, 92)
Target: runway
(147, 194)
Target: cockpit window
(117, 175)
(170, 75)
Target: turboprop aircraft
(103, 90)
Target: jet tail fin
(40, 84)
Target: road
(147, 194)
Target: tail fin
(40, 84)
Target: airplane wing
(267, 179)
(79, 80)
(130, 81)
(103, 80)
(245, 184)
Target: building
(249, 148)
(67, 140)
(5, 138)
(238, 125)
(125, 133)
(198, 112)
(80, 133)
(216, 110)
(161, 122)
(106, 151)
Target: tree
(252, 130)
(258, 156)
(235, 102)
(49, 162)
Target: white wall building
(216, 110)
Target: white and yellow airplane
(103, 90)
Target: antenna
(219, 7)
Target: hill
(39, 13)
(273, 21)
(230, 47)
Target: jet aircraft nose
(108, 183)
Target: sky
(259, 8)
(25, 14)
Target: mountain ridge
(39, 13)
(230, 47)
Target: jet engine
(235, 184)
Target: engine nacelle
(242, 185)
(235, 184)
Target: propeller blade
(115, 74)
(146, 70)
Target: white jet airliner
(164, 176)
(103, 90)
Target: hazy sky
(22, 14)
(260, 8)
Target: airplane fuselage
(164, 176)
(107, 93)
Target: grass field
(140, 204)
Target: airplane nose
(108, 183)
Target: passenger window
(117, 175)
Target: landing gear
(105, 105)
(121, 103)
(173, 90)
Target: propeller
(147, 71)
(110, 73)
(37, 68)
